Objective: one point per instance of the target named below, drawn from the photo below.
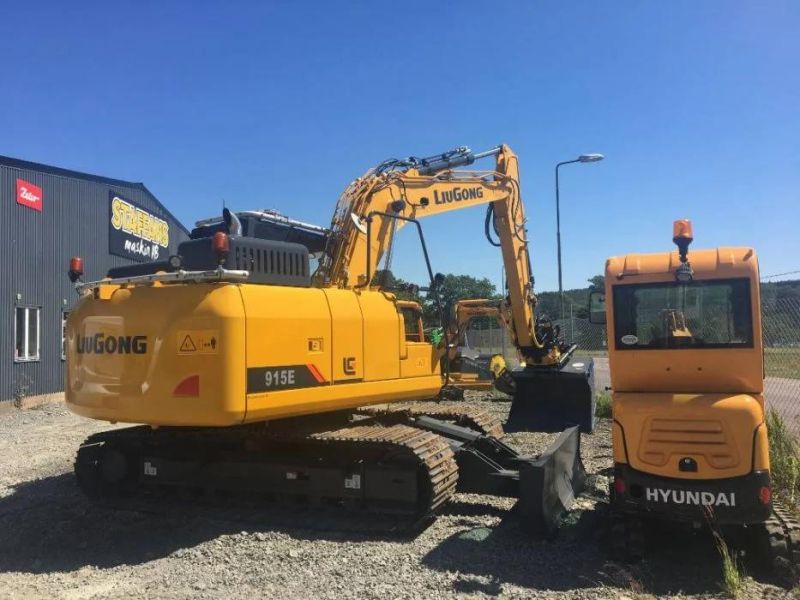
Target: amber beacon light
(75, 268)
(682, 236)
(221, 246)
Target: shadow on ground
(679, 560)
(48, 525)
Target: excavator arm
(388, 196)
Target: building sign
(134, 232)
(29, 195)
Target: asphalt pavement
(781, 393)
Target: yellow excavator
(471, 369)
(689, 430)
(251, 372)
(469, 366)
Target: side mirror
(597, 308)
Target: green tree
(549, 305)
(454, 288)
(597, 282)
(399, 287)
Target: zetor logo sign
(134, 232)
(29, 195)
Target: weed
(22, 388)
(732, 574)
(784, 457)
(603, 407)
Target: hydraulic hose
(490, 220)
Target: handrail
(179, 276)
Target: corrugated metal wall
(35, 248)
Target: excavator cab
(477, 333)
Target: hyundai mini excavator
(689, 431)
(250, 372)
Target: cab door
(418, 357)
(347, 336)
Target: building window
(64, 315)
(27, 333)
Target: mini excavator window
(676, 315)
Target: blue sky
(696, 106)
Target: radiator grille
(278, 263)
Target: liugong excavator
(252, 373)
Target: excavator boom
(554, 390)
(417, 188)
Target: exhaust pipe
(232, 221)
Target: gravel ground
(54, 543)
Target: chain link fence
(485, 338)
(781, 333)
(781, 323)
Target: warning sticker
(199, 341)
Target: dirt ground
(54, 543)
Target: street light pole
(583, 158)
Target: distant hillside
(579, 299)
(780, 290)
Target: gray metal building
(47, 216)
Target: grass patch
(732, 573)
(782, 362)
(603, 406)
(784, 457)
(593, 353)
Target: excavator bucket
(549, 484)
(552, 399)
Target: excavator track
(395, 470)
(430, 450)
(781, 532)
(474, 418)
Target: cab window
(698, 314)
(413, 320)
